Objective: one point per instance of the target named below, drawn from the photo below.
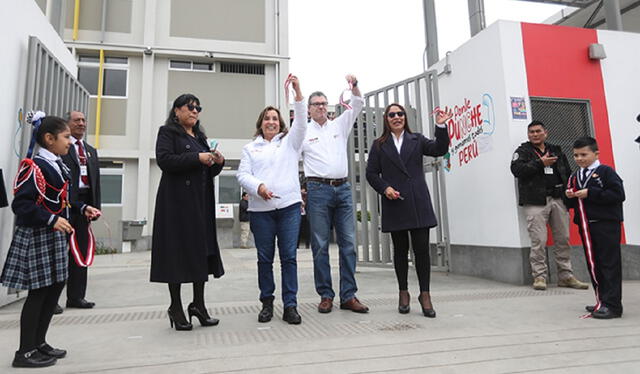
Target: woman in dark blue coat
(184, 244)
(394, 170)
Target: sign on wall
(224, 211)
(470, 131)
(518, 108)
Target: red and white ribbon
(584, 225)
(342, 102)
(287, 83)
(75, 250)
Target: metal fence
(419, 96)
(50, 87)
(565, 120)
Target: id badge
(548, 170)
(84, 171)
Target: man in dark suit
(83, 163)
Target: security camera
(148, 51)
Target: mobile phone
(213, 144)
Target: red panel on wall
(558, 65)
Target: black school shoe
(605, 313)
(32, 359)
(50, 351)
(291, 316)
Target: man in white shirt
(329, 202)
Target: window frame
(226, 173)
(114, 171)
(191, 63)
(107, 66)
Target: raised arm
(440, 145)
(299, 126)
(349, 116)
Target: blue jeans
(328, 207)
(283, 224)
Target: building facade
(233, 55)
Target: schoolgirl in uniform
(38, 257)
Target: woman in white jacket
(268, 171)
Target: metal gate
(419, 96)
(565, 120)
(50, 87)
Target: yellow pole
(76, 20)
(99, 100)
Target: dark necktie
(64, 171)
(585, 172)
(83, 162)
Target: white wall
(16, 25)
(621, 76)
(481, 195)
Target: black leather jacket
(529, 169)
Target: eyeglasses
(191, 107)
(394, 114)
(320, 104)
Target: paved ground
(482, 327)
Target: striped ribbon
(75, 250)
(287, 83)
(342, 102)
(586, 234)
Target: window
(228, 189)
(190, 65)
(115, 74)
(111, 182)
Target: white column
(145, 136)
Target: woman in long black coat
(394, 170)
(185, 247)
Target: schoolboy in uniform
(596, 194)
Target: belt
(329, 181)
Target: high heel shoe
(406, 307)
(428, 312)
(202, 316)
(180, 325)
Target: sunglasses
(191, 107)
(394, 114)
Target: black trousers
(422, 261)
(607, 263)
(77, 282)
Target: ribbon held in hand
(287, 83)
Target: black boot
(266, 313)
(32, 359)
(291, 315)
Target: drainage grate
(95, 319)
